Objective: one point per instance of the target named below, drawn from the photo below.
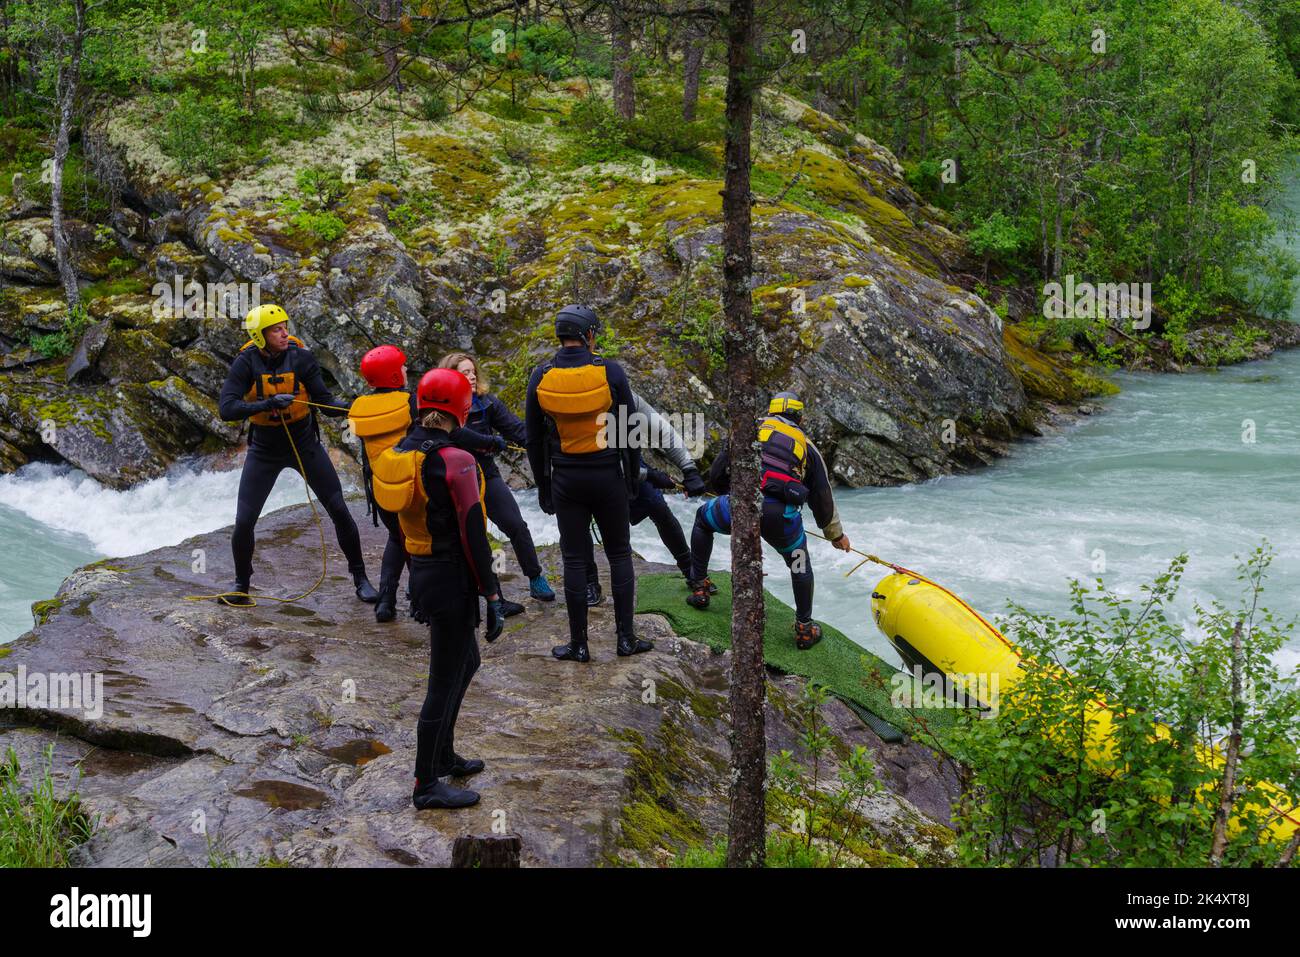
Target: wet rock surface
(286, 733)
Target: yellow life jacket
(380, 420)
(784, 453)
(574, 399)
(267, 383)
(398, 483)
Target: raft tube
(933, 629)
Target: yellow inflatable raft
(933, 629)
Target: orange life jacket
(380, 420)
(286, 381)
(574, 399)
(398, 480)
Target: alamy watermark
(922, 690)
(652, 431)
(1103, 300)
(58, 691)
(204, 300)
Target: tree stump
(486, 850)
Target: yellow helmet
(785, 403)
(261, 317)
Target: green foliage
(1153, 156)
(1036, 794)
(549, 51)
(807, 812)
(37, 827)
(597, 130)
(56, 345)
(997, 237)
(659, 130)
(311, 213)
(210, 132)
(420, 207)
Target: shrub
(1036, 794)
(658, 129)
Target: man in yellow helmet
(270, 382)
(794, 473)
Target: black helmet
(574, 322)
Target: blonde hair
(452, 360)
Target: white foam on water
(153, 514)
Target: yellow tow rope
(319, 528)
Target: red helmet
(382, 367)
(447, 390)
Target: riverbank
(287, 732)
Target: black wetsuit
(447, 584)
(649, 503)
(270, 452)
(488, 415)
(780, 524)
(581, 487)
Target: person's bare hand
(842, 543)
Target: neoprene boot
(575, 650)
(686, 573)
(241, 600)
(464, 767)
(700, 591)
(593, 594)
(509, 607)
(806, 634)
(437, 794)
(386, 607)
(365, 591)
(630, 644)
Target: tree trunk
(747, 825)
(66, 90)
(1228, 788)
(692, 62)
(391, 12)
(621, 57)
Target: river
(1205, 462)
(1163, 469)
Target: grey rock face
(287, 732)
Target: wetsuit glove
(544, 500)
(659, 479)
(496, 619)
(693, 482)
(277, 402)
(498, 443)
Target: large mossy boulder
(118, 435)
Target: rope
(319, 528)
(901, 570)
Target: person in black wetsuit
(436, 489)
(380, 419)
(576, 414)
(270, 382)
(649, 501)
(794, 472)
(485, 433)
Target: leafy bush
(325, 226)
(56, 345)
(1036, 794)
(597, 129)
(658, 129)
(997, 237)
